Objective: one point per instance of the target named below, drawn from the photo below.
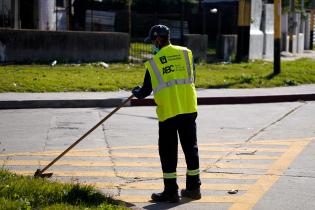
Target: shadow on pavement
(164, 205)
(131, 115)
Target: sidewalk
(287, 56)
(113, 99)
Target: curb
(35, 104)
(114, 102)
(237, 100)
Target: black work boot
(193, 194)
(192, 187)
(170, 193)
(166, 196)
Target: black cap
(158, 30)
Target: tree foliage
(159, 5)
(298, 4)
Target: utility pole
(69, 12)
(182, 20)
(56, 17)
(292, 5)
(277, 37)
(204, 18)
(302, 27)
(243, 35)
(3, 16)
(156, 3)
(312, 23)
(129, 18)
(291, 24)
(312, 28)
(200, 16)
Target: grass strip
(93, 77)
(25, 192)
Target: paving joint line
(268, 174)
(275, 122)
(2, 150)
(47, 136)
(134, 115)
(142, 180)
(296, 176)
(110, 152)
(257, 133)
(225, 172)
(219, 159)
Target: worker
(170, 74)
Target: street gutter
(113, 102)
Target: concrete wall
(300, 48)
(198, 44)
(307, 33)
(284, 32)
(45, 46)
(50, 17)
(256, 40)
(268, 29)
(227, 47)
(294, 28)
(47, 15)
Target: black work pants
(185, 126)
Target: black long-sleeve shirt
(146, 88)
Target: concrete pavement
(113, 99)
(265, 151)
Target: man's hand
(136, 91)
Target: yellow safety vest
(172, 79)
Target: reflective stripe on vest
(163, 84)
(187, 63)
(171, 83)
(193, 172)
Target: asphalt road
(265, 151)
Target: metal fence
(185, 19)
(181, 16)
(139, 51)
(141, 23)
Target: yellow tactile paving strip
(278, 154)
